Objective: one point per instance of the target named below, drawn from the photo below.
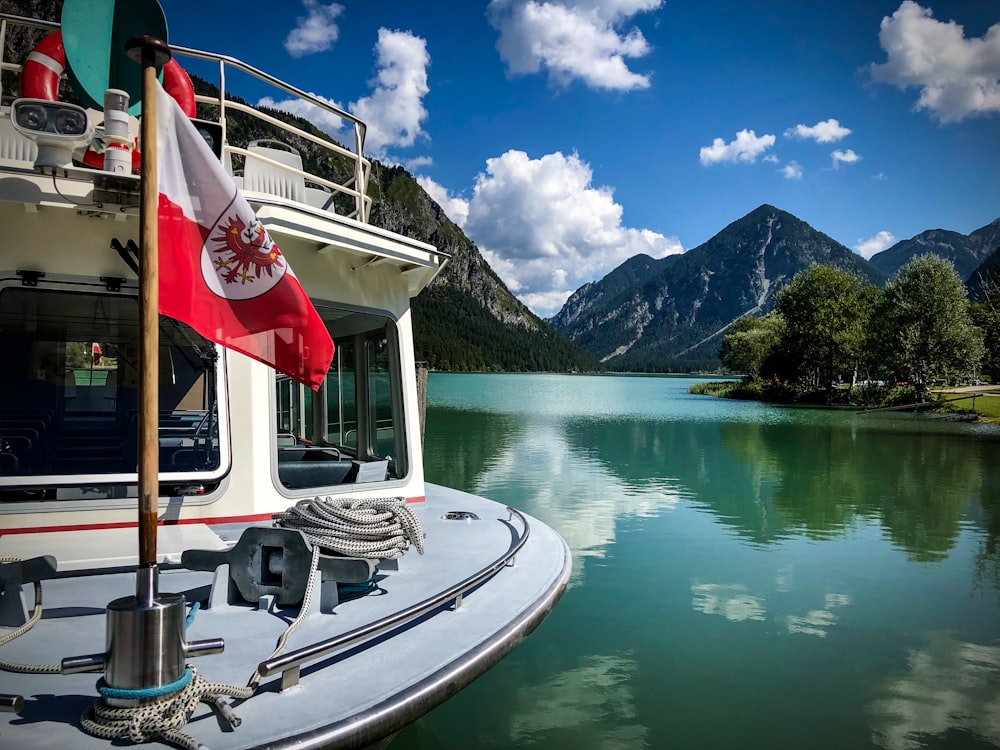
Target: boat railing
(353, 187)
(290, 664)
(7, 21)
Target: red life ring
(46, 63)
(177, 83)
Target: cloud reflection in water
(727, 599)
(595, 700)
(818, 621)
(543, 465)
(950, 685)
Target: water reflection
(987, 559)
(735, 602)
(568, 489)
(773, 481)
(818, 622)
(727, 599)
(827, 478)
(766, 481)
(459, 442)
(744, 577)
(641, 451)
(594, 702)
(949, 686)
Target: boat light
(117, 144)
(57, 127)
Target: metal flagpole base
(146, 644)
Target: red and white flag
(219, 270)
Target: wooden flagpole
(151, 53)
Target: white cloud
(315, 32)
(827, 131)
(792, 171)
(746, 147)
(395, 108)
(412, 165)
(957, 77)
(844, 157)
(394, 111)
(573, 40)
(867, 248)
(546, 230)
(771, 159)
(454, 207)
(321, 118)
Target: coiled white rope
(164, 716)
(380, 527)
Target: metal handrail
(289, 664)
(32, 23)
(361, 165)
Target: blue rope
(347, 591)
(142, 693)
(190, 618)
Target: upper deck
(308, 191)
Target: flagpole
(151, 53)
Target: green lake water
(745, 576)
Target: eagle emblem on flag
(241, 260)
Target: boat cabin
(236, 440)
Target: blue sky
(565, 136)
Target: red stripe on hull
(166, 522)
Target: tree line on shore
(831, 331)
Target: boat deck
(350, 698)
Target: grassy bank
(987, 406)
(725, 389)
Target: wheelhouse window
(69, 397)
(350, 430)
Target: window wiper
(124, 254)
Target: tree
(826, 312)
(924, 325)
(986, 316)
(750, 342)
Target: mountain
(655, 315)
(965, 252)
(950, 246)
(988, 240)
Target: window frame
(65, 492)
(389, 333)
